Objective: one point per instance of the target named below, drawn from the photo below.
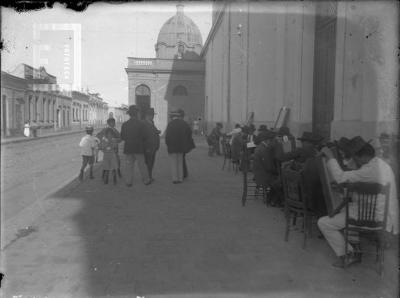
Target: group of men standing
(142, 141)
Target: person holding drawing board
(369, 169)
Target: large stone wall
(366, 89)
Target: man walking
(152, 143)
(134, 133)
(178, 137)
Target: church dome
(178, 30)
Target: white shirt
(376, 171)
(88, 143)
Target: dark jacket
(178, 137)
(264, 169)
(153, 141)
(133, 132)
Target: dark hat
(284, 131)
(356, 144)
(150, 111)
(262, 127)
(311, 137)
(266, 135)
(89, 127)
(132, 110)
(181, 112)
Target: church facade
(175, 78)
(333, 64)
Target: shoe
(345, 261)
(129, 184)
(91, 177)
(147, 183)
(176, 182)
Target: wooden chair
(296, 202)
(363, 199)
(250, 189)
(227, 151)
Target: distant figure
(88, 145)
(133, 132)
(108, 144)
(213, 140)
(153, 141)
(27, 128)
(196, 127)
(178, 138)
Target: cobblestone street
(187, 240)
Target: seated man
(308, 149)
(264, 167)
(370, 169)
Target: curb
(29, 215)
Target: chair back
(370, 201)
(292, 182)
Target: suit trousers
(176, 166)
(331, 229)
(150, 158)
(130, 162)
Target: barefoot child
(110, 161)
(88, 146)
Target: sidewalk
(186, 240)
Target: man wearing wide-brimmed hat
(264, 167)
(133, 132)
(371, 169)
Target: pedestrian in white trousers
(179, 141)
(176, 166)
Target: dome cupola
(179, 37)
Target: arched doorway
(142, 99)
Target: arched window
(142, 90)
(179, 91)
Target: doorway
(142, 99)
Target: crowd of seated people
(348, 160)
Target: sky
(109, 34)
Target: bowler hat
(132, 110)
(262, 127)
(311, 137)
(150, 111)
(284, 131)
(181, 112)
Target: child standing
(110, 161)
(88, 146)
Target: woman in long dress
(27, 129)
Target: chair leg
(346, 243)
(287, 225)
(305, 229)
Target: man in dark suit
(133, 132)
(152, 142)
(178, 138)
